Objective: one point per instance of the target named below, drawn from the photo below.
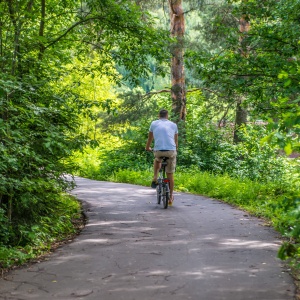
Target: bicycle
(163, 186)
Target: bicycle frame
(163, 187)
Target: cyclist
(165, 136)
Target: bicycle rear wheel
(159, 193)
(165, 195)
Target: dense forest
(82, 80)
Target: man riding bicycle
(165, 136)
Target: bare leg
(157, 166)
(171, 178)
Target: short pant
(171, 162)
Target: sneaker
(171, 201)
(154, 184)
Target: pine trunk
(241, 112)
(178, 91)
(240, 119)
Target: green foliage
(5, 228)
(102, 162)
(57, 76)
(260, 65)
(210, 148)
(290, 228)
(13, 256)
(36, 236)
(132, 176)
(57, 64)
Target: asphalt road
(132, 248)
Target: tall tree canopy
(268, 75)
(41, 44)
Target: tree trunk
(9, 208)
(240, 119)
(178, 91)
(241, 112)
(42, 28)
(1, 44)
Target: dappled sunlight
(210, 237)
(118, 213)
(132, 248)
(97, 241)
(110, 223)
(232, 243)
(134, 289)
(114, 191)
(142, 248)
(66, 259)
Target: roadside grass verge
(36, 239)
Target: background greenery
(81, 82)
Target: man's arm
(176, 140)
(149, 141)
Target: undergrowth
(36, 239)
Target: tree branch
(30, 5)
(169, 91)
(157, 92)
(224, 115)
(68, 30)
(132, 29)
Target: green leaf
(288, 149)
(287, 82)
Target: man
(165, 136)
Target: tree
(241, 112)
(40, 117)
(267, 78)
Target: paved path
(131, 248)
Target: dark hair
(163, 113)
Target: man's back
(164, 132)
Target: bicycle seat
(164, 158)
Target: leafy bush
(5, 228)
(211, 150)
(34, 237)
(132, 176)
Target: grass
(41, 237)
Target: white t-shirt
(164, 132)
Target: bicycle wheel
(167, 192)
(165, 195)
(158, 193)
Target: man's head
(163, 113)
